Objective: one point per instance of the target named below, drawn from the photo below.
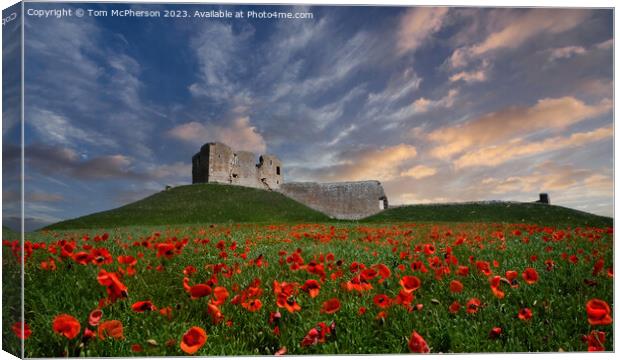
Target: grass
(557, 299)
(214, 203)
(492, 212)
(200, 204)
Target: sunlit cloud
(513, 122)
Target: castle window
(270, 162)
(277, 170)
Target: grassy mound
(200, 203)
(492, 212)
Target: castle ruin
(218, 163)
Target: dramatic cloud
(417, 25)
(513, 122)
(381, 164)
(495, 155)
(518, 26)
(240, 135)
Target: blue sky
(439, 104)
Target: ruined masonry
(218, 163)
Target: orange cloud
(516, 30)
(371, 164)
(495, 155)
(241, 135)
(419, 172)
(417, 25)
(509, 123)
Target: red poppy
(417, 344)
(312, 287)
(252, 305)
(220, 294)
(512, 276)
(484, 267)
(165, 249)
(472, 306)
(199, 290)
(495, 281)
(193, 340)
(598, 312)
(495, 332)
(101, 256)
(216, 314)
(136, 348)
(330, 306)
(110, 328)
(21, 330)
(66, 325)
(525, 314)
(595, 340)
(530, 276)
(362, 310)
(368, 274)
(456, 286)
(94, 317)
(316, 335)
(167, 312)
(410, 283)
(381, 300)
(454, 307)
(142, 306)
(404, 298)
(82, 258)
(384, 272)
(462, 270)
(115, 288)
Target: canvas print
(220, 180)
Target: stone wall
(218, 163)
(343, 200)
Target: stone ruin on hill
(218, 163)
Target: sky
(439, 104)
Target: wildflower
(410, 283)
(110, 328)
(598, 312)
(525, 314)
(21, 330)
(530, 276)
(312, 287)
(142, 306)
(94, 317)
(417, 344)
(193, 340)
(252, 305)
(381, 300)
(66, 325)
(595, 340)
(330, 306)
(495, 332)
(454, 307)
(456, 286)
(472, 305)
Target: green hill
(200, 203)
(499, 212)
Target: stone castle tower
(218, 163)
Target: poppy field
(342, 288)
